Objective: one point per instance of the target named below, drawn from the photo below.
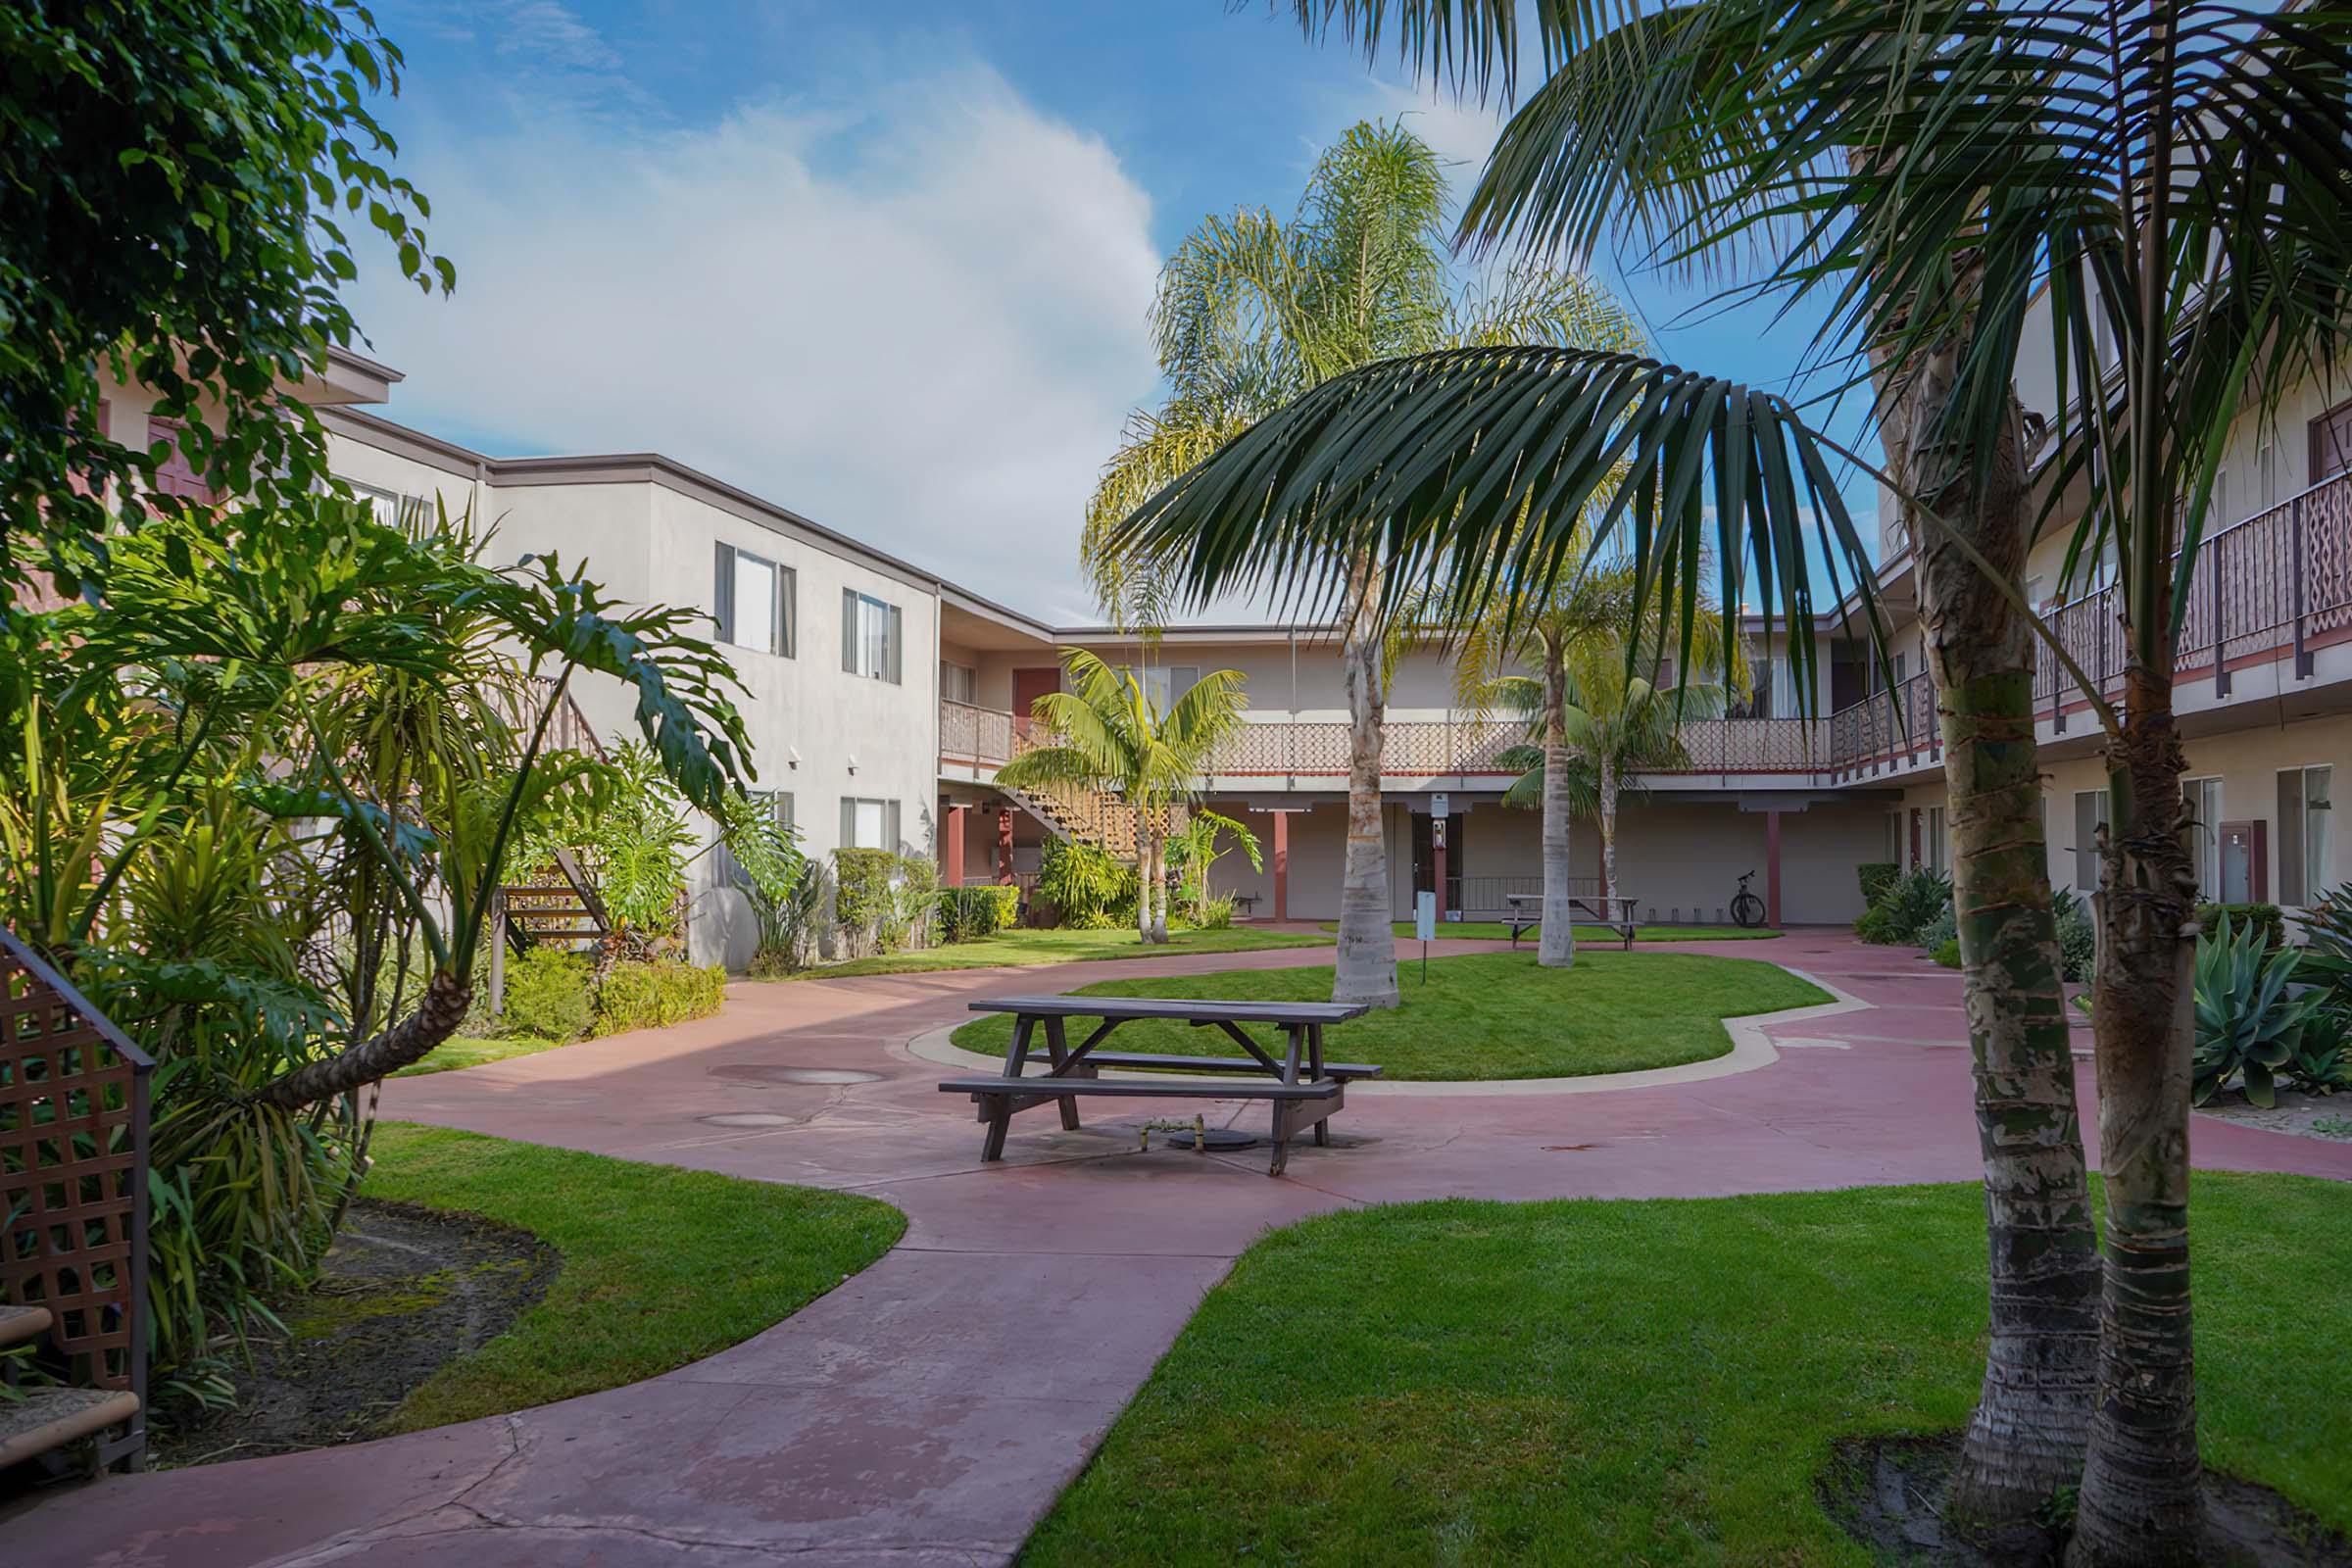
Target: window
(1895, 838)
(2090, 815)
(2266, 469)
(869, 824)
(870, 636)
(958, 683)
(1162, 684)
(2204, 797)
(754, 602)
(1939, 858)
(391, 507)
(2306, 834)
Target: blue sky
(885, 264)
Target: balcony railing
(2276, 586)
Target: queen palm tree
(1599, 724)
(1107, 734)
(1253, 311)
(1592, 727)
(2166, 181)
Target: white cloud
(919, 321)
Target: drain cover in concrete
(750, 1118)
(768, 1072)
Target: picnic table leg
(1057, 1049)
(998, 1107)
(1315, 1057)
(1282, 1138)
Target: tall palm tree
(1253, 311)
(1108, 735)
(1599, 724)
(1592, 727)
(2166, 178)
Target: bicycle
(1746, 909)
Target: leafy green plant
(550, 994)
(882, 901)
(2248, 1023)
(2268, 918)
(912, 905)
(1874, 875)
(2327, 944)
(1945, 927)
(2321, 1063)
(1083, 884)
(635, 995)
(2077, 938)
(1217, 913)
(782, 885)
(971, 912)
(1194, 853)
(1906, 907)
(1946, 952)
(635, 842)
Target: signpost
(1425, 926)
(1439, 807)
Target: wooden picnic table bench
(1304, 1089)
(1526, 913)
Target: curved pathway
(929, 1410)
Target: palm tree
(2167, 179)
(1108, 735)
(1599, 726)
(1592, 727)
(1252, 312)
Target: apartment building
(883, 699)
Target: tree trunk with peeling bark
(1555, 938)
(1608, 829)
(2143, 1498)
(1365, 968)
(439, 1012)
(2026, 1438)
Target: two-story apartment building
(883, 697)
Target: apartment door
(1028, 685)
(2331, 443)
(1425, 873)
(2245, 862)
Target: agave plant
(2323, 1059)
(2249, 1023)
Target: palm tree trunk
(2026, 1440)
(1365, 970)
(1555, 938)
(1143, 882)
(439, 1012)
(1607, 785)
(2142, 1500)
(1159, 886)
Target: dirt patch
(2305, 1115)
(1888, 1493)
(405, 1291)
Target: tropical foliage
(1106, 733)
(256, 803)
(2249, 1023)
(1194, 853)
(1084, 885)
(226, 162)
(1255, 311)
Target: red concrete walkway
(929, 1410)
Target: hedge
(653, 996)
(968, 914)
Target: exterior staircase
(72, 1224)
(1080, 814)
(559, 906)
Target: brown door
(1028, 685)
(2331, 443)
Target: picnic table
(1526, 913)
(1303, 1089)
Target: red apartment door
(1028, 685)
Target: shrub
(968, 914)
(2321, 1063)
(1947, 953)
(1903, 907)
(550, 994)
(1083, 884)
(1874, 875)
(1216, 913)
(2077, 938)
(2248, 1025)
(2327, 944)
(2267, 918)
(1945, 927)
(638, 995)
(881, 902)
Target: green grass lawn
(1654, 1382)
(661, 1266)
(1487, 1014)
(468, 1051)
(1062, 945)
(1499, 931)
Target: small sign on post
(1425, 924)
(1438, 806)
